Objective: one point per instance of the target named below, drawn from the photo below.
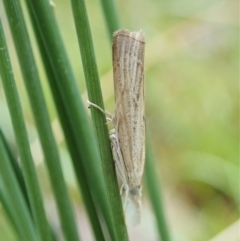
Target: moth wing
(128, 55)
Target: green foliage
(191, 108)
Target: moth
(128, 137)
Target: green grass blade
(99, 120)
(9, 213)
(62, 106)
(15, 199)
(155, 195)
(17, 170)
(28, 67)
(73, 105)
(111, 16)
(19, 176)
(22, 140)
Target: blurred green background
(192, 110)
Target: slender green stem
(51, 60)
(14, 198)
(31, 78)
(154, 190)
(22, 140)
(99, 120)
(17, 170)
(7, 208)
(74, 108)
(111, 16)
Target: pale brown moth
(128, 137)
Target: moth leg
(109, 116)
(126, 197)
(124, 191)
(121, 190)
(118, 159)
(120, 167)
